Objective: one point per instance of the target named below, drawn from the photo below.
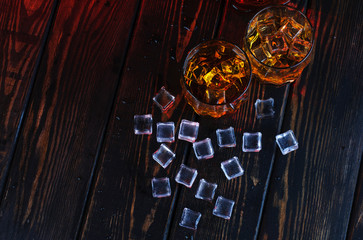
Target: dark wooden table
(74, 73)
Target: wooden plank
(312, 189)
(68, 111)
(121, 204)
(248, 191)
(22, 34)
(355, 229)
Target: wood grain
(22, 33)
(121, 204)
(312, 189)
(68, 112)
(248, 191)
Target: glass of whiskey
(279, 43)
(217, 76)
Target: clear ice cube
(160, 187)
(264, 108)
(251, 142)
(143, 124)
(287, 142)
(190, 219)
(223, 208)
(206, 190)
(232, 168)
(188, 130)
(203, 149)
(163, 156)
(165, 132)
(163, 99)
(291, 28)
(277, 43)
(226, 137)
(186, 176)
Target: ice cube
(163, 156)
(186, 176)
(251, 142)
(164, 100)
(232, 168)
(223, 208)
(266, 27)
(299, 49)
(190, 219)
(206, 190)
(165, 132)
(291, 28)
(203, 149)
(264, 108)
(188, 130)
(160, 187)
(287, 142)
(277, 43)
(226, 137)
(143, 124)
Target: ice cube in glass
(160, 187)
(164, 100)
(190, 219)
(188, 130)
(251, 142)
(223, 208)
(165, 132)
(186, 176)
(264, 108)
(203, 149)
(287, 142)
(143, 124)
(163, 156)
(232, 168)
(206, 190)
(226, 137)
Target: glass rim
(216, 40)
(291, 8)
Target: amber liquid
(216, 74)
(281, 40)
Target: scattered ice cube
(252, 142)
(188, 130)
(165, 132)
(190, 219)
(203, 149)
(160, 187)
(163, 156)
(232, 168)
(143, 124)
(163, 99)
(206, 190)
(264, 108)
(186, 176)
(223, 208)
(226, 137)
(287, 142)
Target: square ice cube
(252, 142)
(165, 132)
(264, 108)
(163, 156)
(186, 176)
(223, 208)
(226, 137)
(232, 168)
(206, 190)
(163, 99)
(190, 219)
(143, 124)
(287, 142)
(160, 187)
(188, 130)
(203, 149)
